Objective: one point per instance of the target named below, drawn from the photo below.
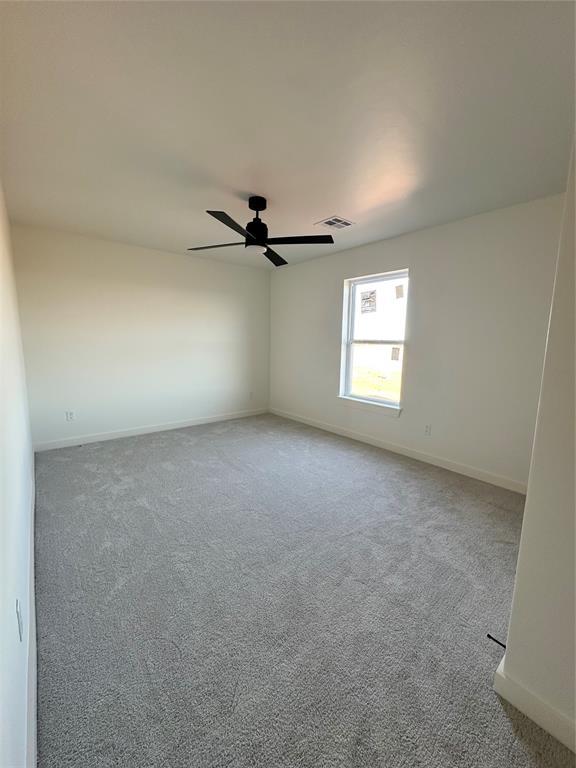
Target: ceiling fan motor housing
(258, 230)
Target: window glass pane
(376, 371)
(380, 309)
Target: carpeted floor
(260, 594)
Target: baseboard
(543, 714)
(98, 437)
(438, 461)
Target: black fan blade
(207, 247)
(229, 222)
(277, 260)
(301, 240)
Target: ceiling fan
(256, 234)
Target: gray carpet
(261, 594)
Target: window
(373, 337)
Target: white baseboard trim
(543, 714)
(98, 437)
(438, 461)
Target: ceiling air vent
(335, 222)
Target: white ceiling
(128, 120)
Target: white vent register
(335, 222)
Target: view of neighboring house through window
(373, 337)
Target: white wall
(17, 659)
(479, 298)
(131, 339)
(537, 674)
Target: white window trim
(348, 309)
(393, 408)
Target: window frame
(348, 314)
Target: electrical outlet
(70, 415)
(428, 430)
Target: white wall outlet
(428, 430)
(70, 415)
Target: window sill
(390, 408)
